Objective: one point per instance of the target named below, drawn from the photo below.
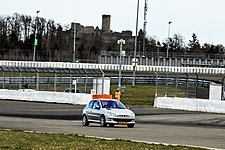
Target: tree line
(17, 34)
(55, 42)
(178, 45)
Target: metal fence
(171, 84)
(49, 79)
(189, 83)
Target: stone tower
(106, 23)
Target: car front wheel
(85, 121)
(130, 125)
(102, 121)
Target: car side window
(96, 104)
(90, 104)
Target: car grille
(123, 116)
(124, 120)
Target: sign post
(75, 85)
(36, 42)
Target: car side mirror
(128, 107)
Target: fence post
(86, 81)
(96, 85)
(186, 90)
(3, 79)
(55, 81)
(156, 88)
(49, 80)
(102, 82)
(14, 80)
(37, 84)
(176, 85)
(71, 81)
(10, 79)
(20, 82)
(196, 85)
(166, 83)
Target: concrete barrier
(45, 96)
(202, 105)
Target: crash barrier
(45, 96)
(190, 104)
(115, 67)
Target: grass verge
(143, 95)
(25, 140)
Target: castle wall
(88, 29)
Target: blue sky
(205, 18)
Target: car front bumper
(123, 121)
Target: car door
(96, 111)
(89, 110)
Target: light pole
(145, 23)
(35, 36)
(121, 42)
(167, 51)
(135, 46)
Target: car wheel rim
(84, 120)
(102, 121)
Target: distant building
(105, 33)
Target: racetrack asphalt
(152, 125)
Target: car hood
(119, 111)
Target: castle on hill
(105, 33)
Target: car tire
(85, 120)
(102, 121)
(111, 125)
(130, 125)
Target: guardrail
(115, 67)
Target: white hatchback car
(107, 112)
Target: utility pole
(145, 23)
(35, 37)
(135, 46)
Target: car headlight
(132, 115)
(111, 114)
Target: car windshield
(112, 104)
